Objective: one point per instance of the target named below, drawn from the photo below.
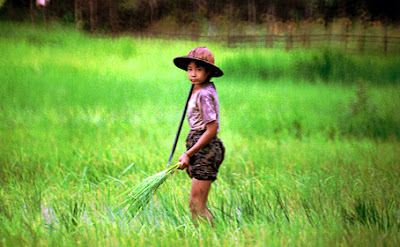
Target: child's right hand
(184, 160)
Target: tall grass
(327, 65)
(312, 159)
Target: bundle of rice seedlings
(139, 196)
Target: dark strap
(180, 126)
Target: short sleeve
(208, 107)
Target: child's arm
(206, 137)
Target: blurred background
(349, 24)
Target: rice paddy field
(312, 140)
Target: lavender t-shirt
(203, 108)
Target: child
(205, 151)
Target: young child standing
(205, 151)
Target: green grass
(312, 158)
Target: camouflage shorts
(205, 163)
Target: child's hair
(202, 64)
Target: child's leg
(198, 198)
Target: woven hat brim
(182, 63)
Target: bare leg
(198, 199)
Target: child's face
(196, 74)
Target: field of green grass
(312, 140)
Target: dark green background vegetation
(140, 14)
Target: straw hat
(201, 54)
